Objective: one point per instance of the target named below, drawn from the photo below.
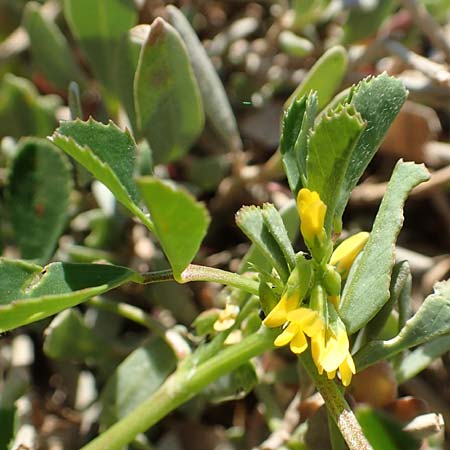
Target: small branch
(366, 194)
(283, 433)
(129, 312)
(424, 426)
(194, 272)
(201, 273)
(428, 25)
(431, 69)
(179, 388)
(338, 408)
(173, 339)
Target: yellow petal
(336, 350)
(308, 320)
(312, 212)
(347, 370)
(287, 335)
(346, 252)
(331, 375)
(299, 343)
(277, 316)
(318, 348)
(301, 315)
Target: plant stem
(129, 312)
(181, 386)
(337, 406)
(194, 272)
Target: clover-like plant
(329, 302)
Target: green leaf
(365, 22)
(274, 223)
(378, 100)
(108, 153)
(32, 293)
(291, 127)
(180, 221)
(308, 11)
(207, 172)
(367, 288)
(250, 219)
(68, 337)
(168, 104)
(294, 45)
(99, 26)
(325, 77)
(129, 50)
(383, 432)
(49, 48)
(19, 98)
(431, 321)
(301, 147)
(215, 101)
(39, 212)
(399, 292)
(297, 123)
(135, 379)
(234, 385)
(254, 257)
(331, 144)
(421, 358)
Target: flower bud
(312, 212)
(346, 252)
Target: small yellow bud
(311, 210)
(346, 252)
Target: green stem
(194, 272)
(337, 406)
(181, 386)
(129, 312)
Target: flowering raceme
(318, 321)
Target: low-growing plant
(332, 304)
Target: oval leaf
(378, 100)
(108, 153)
(39, 212)
(135, 379)
(431, 321)
(180, 222)
(31, 293)
(367, 288)
(325, 76)
(49, 48)
(168, 105)
(99, 26)
(215, 101)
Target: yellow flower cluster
(330, 346)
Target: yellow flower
(334, 355)
(302, 321)
(346, 252)
(278, 315)
(312, 212)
